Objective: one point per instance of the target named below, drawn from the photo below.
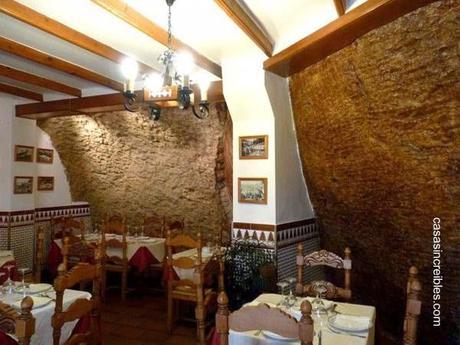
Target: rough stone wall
(378, 126)
(123, 162)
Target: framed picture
(254, 147)
(45, 156)
(23, 184)
(23, 153)
(252, 190)
(45, 183)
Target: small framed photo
(254, 147)
(23, 184)
(23, 153)
(45, 156)
(252, 190)
(45, 183)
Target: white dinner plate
(39, 288)
(142, 238)
(350, 323)
(275, 336)
(39, 302)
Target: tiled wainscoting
(18, 229)
(283, 239)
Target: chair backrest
(183, 242)
(76, 227)
(413, 308)
(324, 258)
(174, 223)
(82, 272)
(114, 224)
(115, 243)
(58, 227)
(40, 254)
(154, 226)
(22, 324)
(263, 317)
(76, 249)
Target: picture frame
(45, 155)
(45, 183)
(253, 147)
(23, 153)
(23, 185)
(252, 190)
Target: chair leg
(103, 284)
(124, 279)
(170, 313)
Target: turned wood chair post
(65, 252)
(40, 247)
(347, 268)
(222, 318)
(413, 309)
(299, 263)
(96, 291)
(221, 277)
(170, 274)
(198, 280)
(25, 323)
(413, 271)
(306, 324)
(124, 277)
(58, 303)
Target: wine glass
(292, 298)
(142, 230)
(282, 286)
(2, 274)
(320, 288)
(9, 284)
(23, 282)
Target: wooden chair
(58, 227)
(115, 263)
(324, 258)
(114, 224)
(413, 308)
(75, 250)
(154, 226)
(22, 324)
(186, 289)
(74, 226)
(40, 254)
(82, 272)
(174, 223)
(262, 317)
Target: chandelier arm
(203, 111)
(130, 101)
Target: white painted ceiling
(199, 23)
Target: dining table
(329, 335)
(142, 251)
(43, 310)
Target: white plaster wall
(292, 200)
(6, 150)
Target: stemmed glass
(9, 284)
(292, 298)
(24, 286)
(282, 286)
(2, 274)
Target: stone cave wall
(125, 163)
(378, 127)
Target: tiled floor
(141, 320)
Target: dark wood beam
(246, 23)
(340, 6)
(96, 104)
(121, 9)
(13, 90)
(339, 34)
(37, 56)
(53, 27)
(33, 79)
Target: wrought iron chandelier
(172, 85)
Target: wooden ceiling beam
(12, 73)
(338, 34)
(121, 9)
(37, 56)
(53, 27)
(96, 104)
(13, 90)
(246, 23)
(340, 6)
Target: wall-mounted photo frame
(45, 156)
(45, 183)
(23, 185)
(252, 190)
(254, 147)
(23, 153)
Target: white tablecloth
(156, 246)
(43, 330)
(184, 273)
(5, 256)
(328, 338)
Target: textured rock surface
(123, 162)
(379, 132)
